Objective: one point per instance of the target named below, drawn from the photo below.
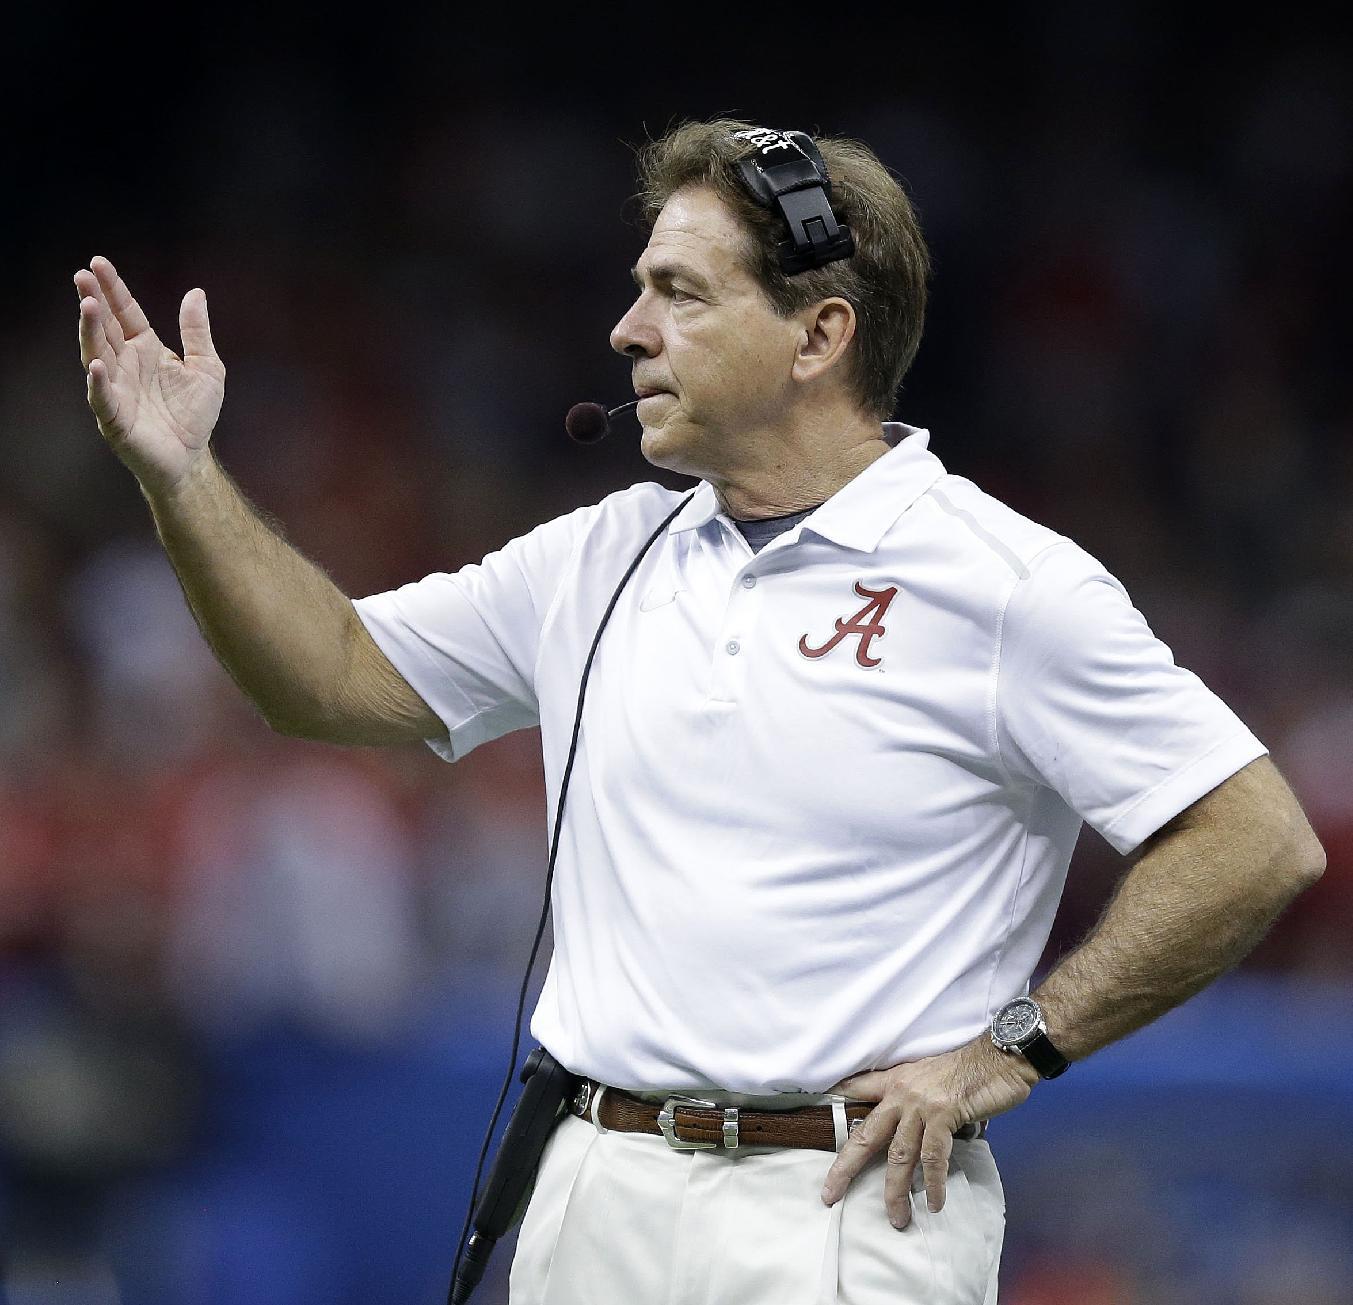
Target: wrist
(190, 483)
(1018, 1029)
(1004, 1064)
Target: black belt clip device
(537, 1112)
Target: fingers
(866, 1140)
(88, 287)
(99, 391)
(98, 353)
(910, 1141)
(920, 1105)
(937, 1144)
(127, 311)
(903, 1153)
(195, 327)
(93, 341)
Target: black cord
(549, 881)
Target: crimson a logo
(866, 624)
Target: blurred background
(256, 994)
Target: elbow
(316, 722)
(1314, 862)
(1304, 860)
(295, 726)
(287, 728)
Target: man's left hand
(921, 1105)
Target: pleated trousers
(623, 1219)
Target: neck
(806, 467)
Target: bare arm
(1202, 892)
(278, 624)
(285, 632)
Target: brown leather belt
(692, 1124)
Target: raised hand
(155, 409)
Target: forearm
(276, 622)
(1198, 900)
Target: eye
(680, 296)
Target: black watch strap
(1044, 1057)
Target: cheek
(743, 362)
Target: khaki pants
(622, 1219)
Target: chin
(666, 448)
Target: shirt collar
(863, 510)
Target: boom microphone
(589, 422)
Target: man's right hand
(155, 409)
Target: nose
(635, 335)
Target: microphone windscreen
(587, 422)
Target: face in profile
(711, 357)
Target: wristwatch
(1018, 1026)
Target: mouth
(649, 391)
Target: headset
(784, 173)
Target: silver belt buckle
(667, 1122)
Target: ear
(827, 328)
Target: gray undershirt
(760, 532)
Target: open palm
(155, 409)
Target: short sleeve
(467, 641)
(1091, 704)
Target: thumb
(869, 1086)
(195, 328)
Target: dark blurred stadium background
(256, 994)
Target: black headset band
(786, 173)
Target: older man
(845, 719)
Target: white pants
(622, 1219)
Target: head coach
(843, 722)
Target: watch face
(1016, 1020)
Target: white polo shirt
(825, 795)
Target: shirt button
(732, 647)
(749, 582)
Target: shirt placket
(734, 645)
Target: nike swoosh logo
(657, 598)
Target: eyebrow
(666, 273)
